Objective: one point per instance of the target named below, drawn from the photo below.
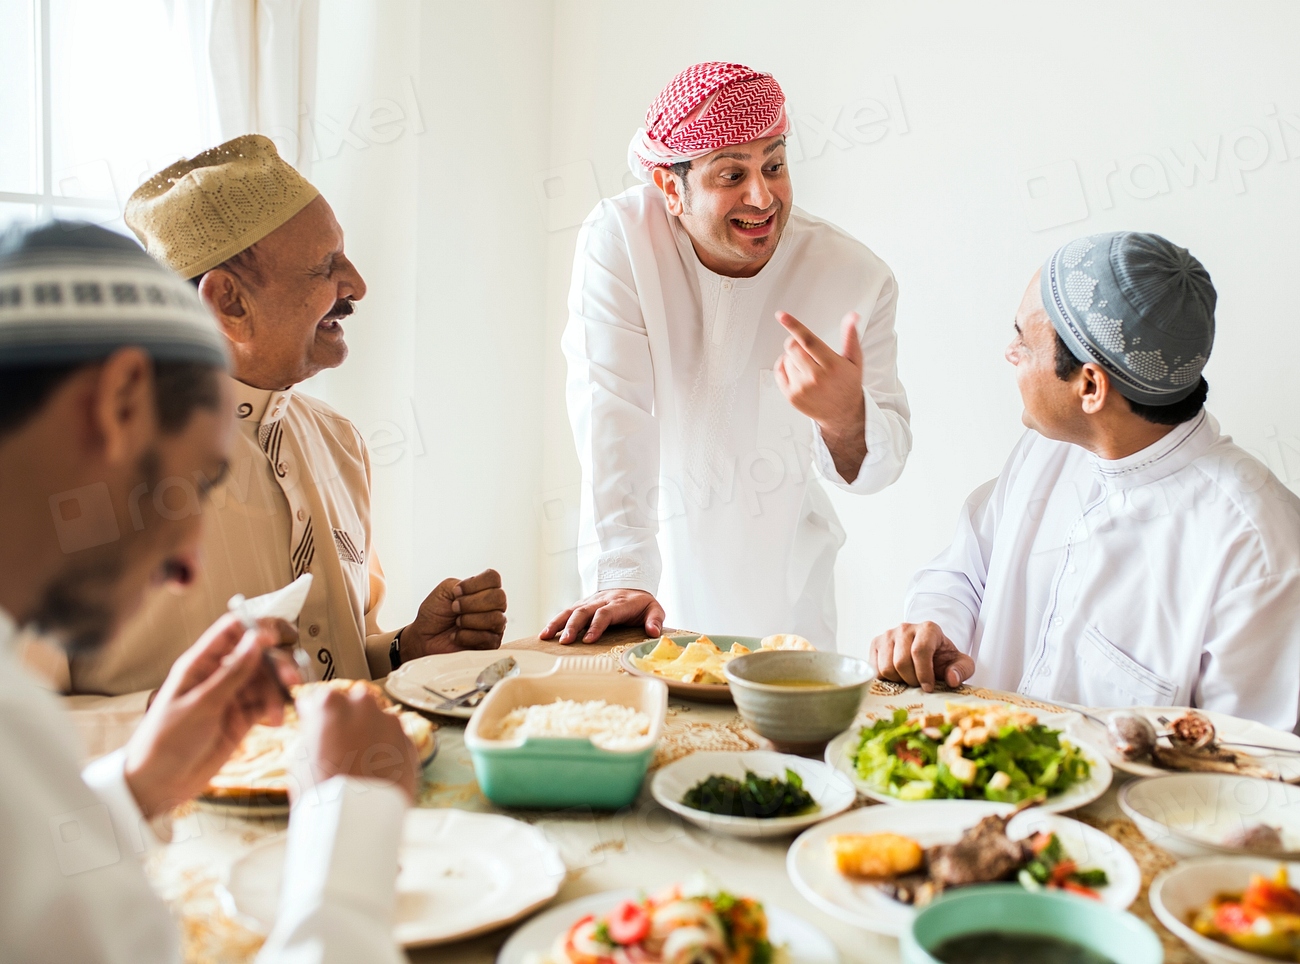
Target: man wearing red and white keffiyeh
(702, 406)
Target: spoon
(491, 675)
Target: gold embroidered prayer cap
(199, 212)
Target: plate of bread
(255, 780)
(691, 663)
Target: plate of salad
(757, 793)
(695, 921)
(992, 752)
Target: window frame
(45, 200)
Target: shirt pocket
(1111, 677)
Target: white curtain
(425, 125)
(256, 66)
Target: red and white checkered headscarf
(703, 109)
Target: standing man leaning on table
(111, 379)
(703, 388)
(266, 254)
(1129, 554)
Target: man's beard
(78, 606)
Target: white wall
(426, 115)
(528, 107)
(988, 91)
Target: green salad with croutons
(969, 752)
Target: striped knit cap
(72, 292)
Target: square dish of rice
(610, 726)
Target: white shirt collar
(1175, 451)
(259, 405)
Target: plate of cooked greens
(752, 794)
(971, 750)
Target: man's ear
(123, 409)
(673, 190)
(1094, 388)
(227, 299)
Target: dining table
(642, 846)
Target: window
(95, 95)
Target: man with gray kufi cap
(1129, 554)
(113, 388)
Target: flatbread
(701, 660)
(258, 771)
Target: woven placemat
(685, 733)
(888, 688)
(1151, 861)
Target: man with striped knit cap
(726, 350)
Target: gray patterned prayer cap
(1137, 305)
(72, 292)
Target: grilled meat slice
(983, 854)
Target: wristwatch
(395, 650)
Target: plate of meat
(874, 867)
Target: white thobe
(72, 887)
(1170, 577)
(698, 479)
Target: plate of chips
(691, 664)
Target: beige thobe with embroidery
(296, 499)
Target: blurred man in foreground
(266, 254)
(705, 393)
(111, 386)
(1128, 554)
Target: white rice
(610, 726)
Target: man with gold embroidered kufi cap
(112, 391)
(1129, 554)
(728, 354)
(266, 254)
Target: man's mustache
(342, 308)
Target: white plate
(1182, 890)
(1286, 765)
(1191, 814)
(839, 750)
(453, 674)
(812, 867)
(804, 942)
(833, 791)
(460, 874)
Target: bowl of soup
(798, 700)
(1006, 924)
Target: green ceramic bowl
(798, 719)
(1010, 908)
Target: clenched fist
(458, 614)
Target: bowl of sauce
(798, 700)
(1006, 924)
